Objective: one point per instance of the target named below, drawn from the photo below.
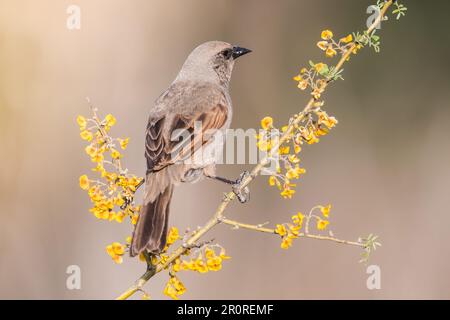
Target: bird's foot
(242, 194)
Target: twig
(304, 235)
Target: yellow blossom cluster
(322, 222)
(290, 231)
(206, 259)
(112, 191)
(319, 74)
(310, 78)
(317, 124)
(174, 288)
(114, 188)
(116, 250)
(172, 236)
(331, 46)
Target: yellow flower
(209, 253)
(281, 230)
(322, 224)
(286, 243)
(128, 240)
(178, 285)
(99, 168)
(298, 78)
(145, 296)
(143, 259)
(84, 182)
(293, 159)
(294, 173)
(301, 217)
(115, 154)
(119, 217)
(297, 148)
(118, 259)
(214, 264)
(164, 258)
(110, 176)
(119, 200)
(118, 248)
(298, 219)
(347, 39)
(272, 181)
(86, 135)
(319, 67)
(177, 265)
(200, 265)
(310, 136)
(330, 53)
(323, 45)
(326, 210)
(98, 157)
(321, 131)
(356, 48)
(174, 288)
(303, 70)
(188, 265)
(90, 150)
(284, 150)
(100, 212)
(170, 291)
(329, 122)
(124, 143)
(116, 251)
(327, 35)
(82, 122)
(302, 85)
(267, 123)
(110, 120)
(173, 235)
(287, 193)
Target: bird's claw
(243, 195)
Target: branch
(259, 228)
(230, 196)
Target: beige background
(385, 168)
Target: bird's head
(212, 61)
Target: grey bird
(199, 94)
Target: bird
(199, 94)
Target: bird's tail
(150, 232)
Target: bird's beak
(238, 51)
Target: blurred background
(385, 168)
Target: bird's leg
(224, 180)
(242, 195)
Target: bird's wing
(161, 149)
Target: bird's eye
(227, 53)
